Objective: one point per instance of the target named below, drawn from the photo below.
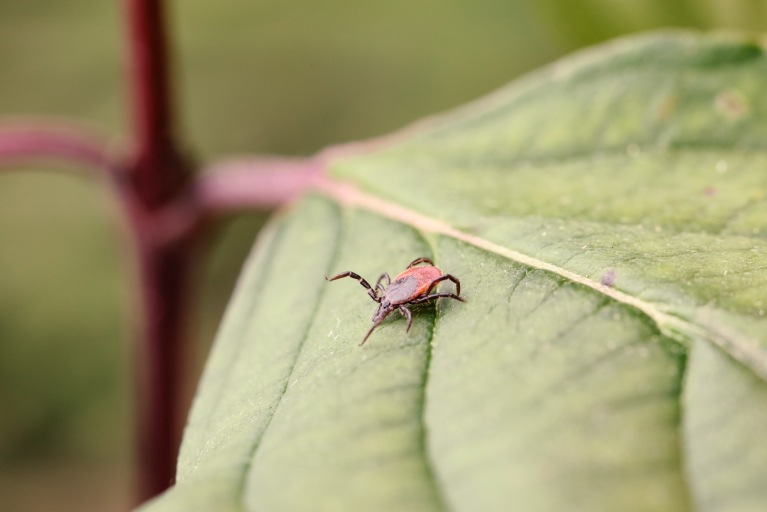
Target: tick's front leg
(373, 294)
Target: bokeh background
(282, 77)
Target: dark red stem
(160, 369)
(159, 172)
(163, 216)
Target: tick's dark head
(381, 313)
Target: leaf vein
(257, 442)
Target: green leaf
(606, 219)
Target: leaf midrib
(681, 330)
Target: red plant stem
(24, 140)
(166, 211)
(165, 243)
(163, 219)
(159, 171)
(164, 275)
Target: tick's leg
(405, 311)
(371, 292)
(383, 277)
(420, 300)
(446, 277)
(420, 260)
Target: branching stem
(166, 209)
(163, 217)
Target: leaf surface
(606, 219)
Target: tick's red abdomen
(424, 276)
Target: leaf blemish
(608, 278)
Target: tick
(413, 286)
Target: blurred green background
(287, 77)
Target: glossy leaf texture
(606, 218)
